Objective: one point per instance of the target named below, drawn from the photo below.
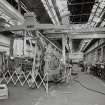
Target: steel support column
(11, 45)
(63, 49)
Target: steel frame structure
(75, 36)
(30, 25)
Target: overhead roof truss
(31, 24)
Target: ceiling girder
(13, 13)
(31, 24)
(77, 36)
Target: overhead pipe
(11, 11)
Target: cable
(89, 88)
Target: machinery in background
(46, 59)
(98, 70)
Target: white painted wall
(4, 44)
(76, 56)
(18, 47)
(18, 50)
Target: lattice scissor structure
(22, 79)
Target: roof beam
(11, 11)
(77, 36)
(57, 10)
(31, 24)
(68, 29)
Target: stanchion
(47, 84)
(68, 76)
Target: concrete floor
(60, 94)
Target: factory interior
(52, 52)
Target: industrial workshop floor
(60, 94)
